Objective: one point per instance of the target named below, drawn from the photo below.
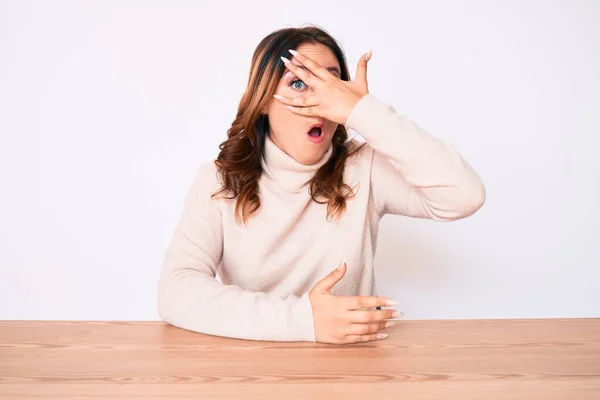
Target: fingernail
(342, 266)
(396, 314)
(294, 52)
(389, 323)
(391, 302)
(285, 60)
(369, 54)
(382, 335)
(278, 96)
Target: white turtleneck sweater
(268, 267)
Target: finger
(367, 329)
(312, 66)
(361, 69)
(372, 316)
(365, 338)
(303, 110)
(304, 101)
(300, 72)
(327, 283)
(358, 302)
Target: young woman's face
(290, 131)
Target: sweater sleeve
(414, 173)
(191, 298)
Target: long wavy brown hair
(239, 159)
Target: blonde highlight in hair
(239, 160)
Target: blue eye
(297, 84)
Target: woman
(290, 197)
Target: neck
(286, 171)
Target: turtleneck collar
(287, 172)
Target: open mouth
(315, 132)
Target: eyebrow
(334, 70)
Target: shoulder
(359, 152)
(206, 180)
(358, 165)
(208, 172)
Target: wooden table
(477, 359)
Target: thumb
(327, 283)
(361, 69)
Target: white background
(107, 108)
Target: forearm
(198, 302)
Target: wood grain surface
(451, 359)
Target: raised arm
(414, 173)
